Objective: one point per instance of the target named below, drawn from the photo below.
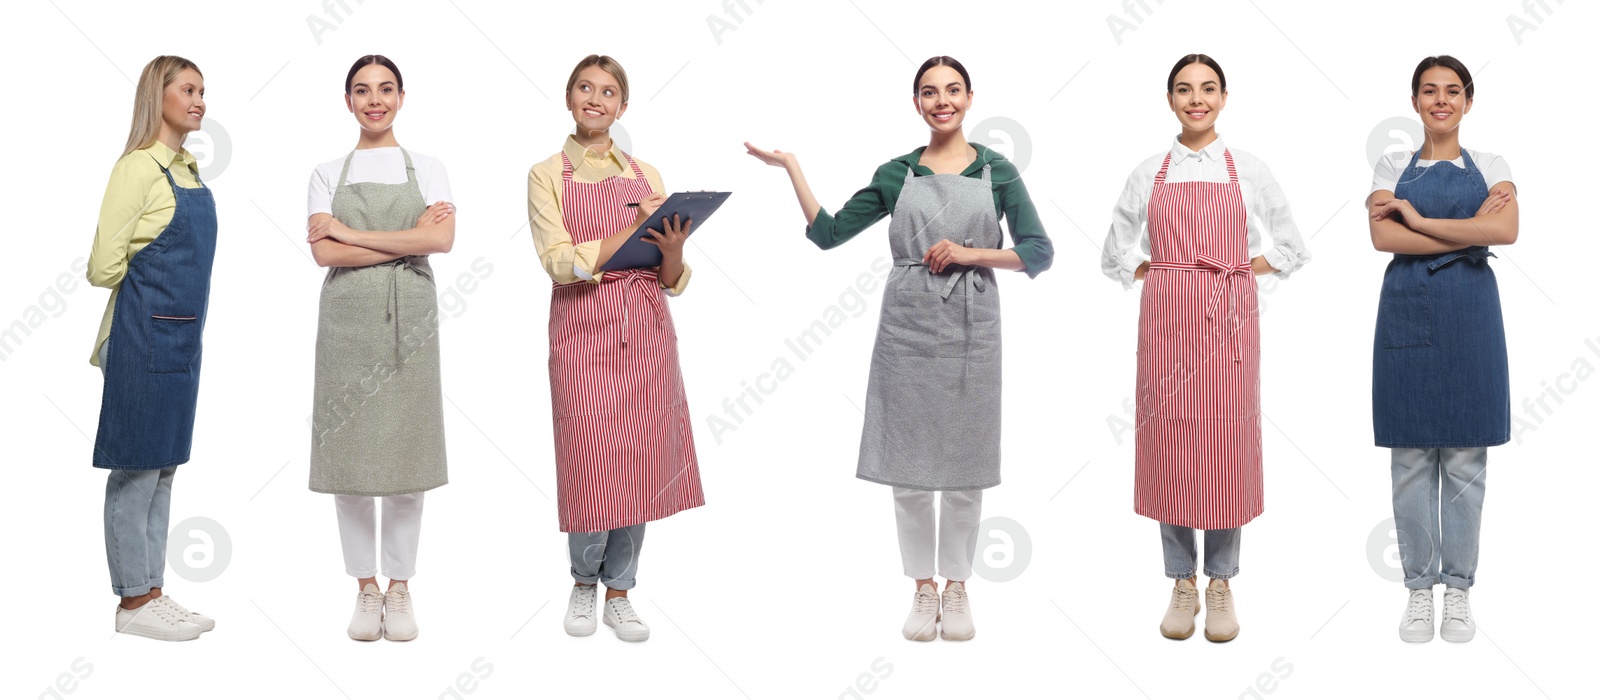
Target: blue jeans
(137, 506)
(1178, 548)
(609, 556)
(1438, 539)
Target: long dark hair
(369, 59)
(916, 82)
(1450, 62)
(1197, 58)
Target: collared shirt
(870, 204)
(1268, 221)
(137, 207)
(564, 261)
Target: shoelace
(955, 601)
(1419, 607)
(623, 609)
(583, 605)
(1184, 598)
(1455, 607)
(370, 602)
(398, 601)
(161, 611)
(926, 603)
(182, 611)
(1217, 599)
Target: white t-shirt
(1386, 174)
(382, 165)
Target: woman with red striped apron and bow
(624, 448)
(1199, 212)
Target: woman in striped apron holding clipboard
(624, 449)
(1204, 214)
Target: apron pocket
(1405, 314)
(174, 342)
(923, 324)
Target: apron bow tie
(631, 280)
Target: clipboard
(635, 252)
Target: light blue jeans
(138, 503)
(1181, 555)
(1438, 531)
(609, 556)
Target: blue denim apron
(1439, 374)
(153, 377)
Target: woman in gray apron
(932, 428)
(378, 417)
(153, 248)
(1441, 390)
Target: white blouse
(1267, 216)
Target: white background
(787, 583)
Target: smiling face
(943, 99)
(1441, 100)
(595, 101)
(183, 102)
(1196, 97)
(375, 96)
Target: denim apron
(377, 423)
(152, 380)
(933, 393)
(1439, 374)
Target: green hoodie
(878, 198)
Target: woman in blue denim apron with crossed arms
(1440, 386)
(153, 248)
(374, 216)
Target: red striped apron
(1198, 460)
(624, 447)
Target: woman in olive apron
(378, 417)
(932, 428)
(153, 248)
(1441, 390)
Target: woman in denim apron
(1440, 385)
(154, 251)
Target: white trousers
(949, 540)
(358, 532)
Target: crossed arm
(1396, 226)
(335, 245)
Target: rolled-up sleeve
(562, 260)
(866, 207)
(1121, 256)
(1283, 247)
(124, 203)
(1028, 238)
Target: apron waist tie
(1229, 274)
(1475, 255)
(973, 278)
(631, 280)
(392, 309)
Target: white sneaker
(1417, 624)
(1456, 624)
(580, 612)
(399, 622)
(205, 624)
(955, 613)
(621, 617)
(366, 623)
(922, 624)
(156, 621)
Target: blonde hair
(153, 82)
(607, 64)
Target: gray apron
(377, 424)
(933, 395)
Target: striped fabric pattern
(1198, 438)
(623, 440)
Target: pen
(634, 205)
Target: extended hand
(775, 158)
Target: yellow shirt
(564, 261)
(137, 207)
